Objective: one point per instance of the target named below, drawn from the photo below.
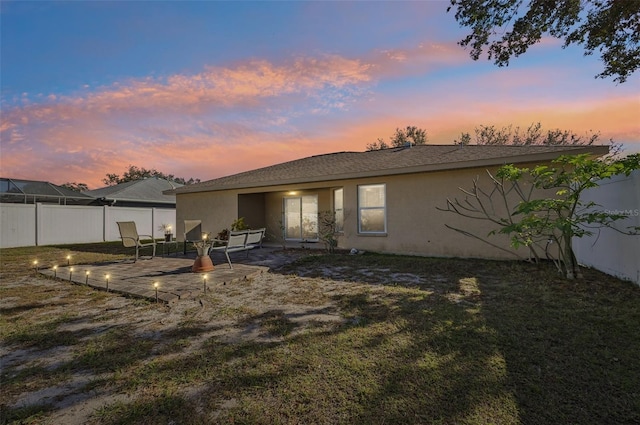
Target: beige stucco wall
(414, 224)
(252, 208)
(216, 211)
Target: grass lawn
(418, 341)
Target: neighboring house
(146, 193)
(384, 200)
(18, 191)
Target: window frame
(285, 221)
(383, 207)
(339, 229)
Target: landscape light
(55, 271)
(70, 272)
(107, 278)
(155, 285)
(204, 283)
(35, 265)
(68, 260)
(86, 280)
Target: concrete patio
(172, 274)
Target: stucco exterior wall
(216, 211)
(414, 225)
(252, 208)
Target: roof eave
(154, 201)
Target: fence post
(38, 222)
(153, 222)
(105, 220)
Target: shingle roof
(144, 190)
(349, 165)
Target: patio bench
(241, 240)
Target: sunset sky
(208, 89)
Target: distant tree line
(77, 187)
(492, 135)
(411, 135)
(533, 135)
(136, 173)
(133, 173)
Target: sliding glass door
(301, 217)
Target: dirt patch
(263, 309)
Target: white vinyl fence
(607, 250)
(46, 224)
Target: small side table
(166, 246)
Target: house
(146, 193)
(384, 200)
(20, 191)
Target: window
(338, 209)
(301, 217)
(372, 209)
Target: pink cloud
(225, 120)
(614, 118)
(417, 60)
(215, 87)
(150, 120)
(233, 86)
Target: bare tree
(532, 135)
